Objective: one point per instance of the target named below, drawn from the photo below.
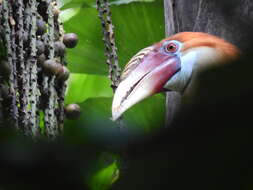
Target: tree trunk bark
(229, 19)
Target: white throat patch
(180, 80)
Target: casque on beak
(144, 80)
(169, 64)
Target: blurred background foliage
(138, 24)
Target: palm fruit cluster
(33, 70)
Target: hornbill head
(168, 66)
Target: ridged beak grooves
(144, 80)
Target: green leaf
(137, 25)
(141, 119)
(65, 4)
(148, 115)
(83, 86)
(67, 14)
(105, 177)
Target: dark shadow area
(209, 145)
(40, 165)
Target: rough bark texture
(229, 19)
(31, 99)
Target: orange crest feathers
(199, 39)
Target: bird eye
(171, 47)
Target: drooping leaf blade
(137, 25)
(84, 86)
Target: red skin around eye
(169, 49)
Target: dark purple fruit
(72, 111)
(51, 67)
(40, 47)
(64, 73)
(70, 40)
(41, 59)
(59, 48)
(41, 27)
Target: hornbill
(169, 65)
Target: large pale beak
(146, 79)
